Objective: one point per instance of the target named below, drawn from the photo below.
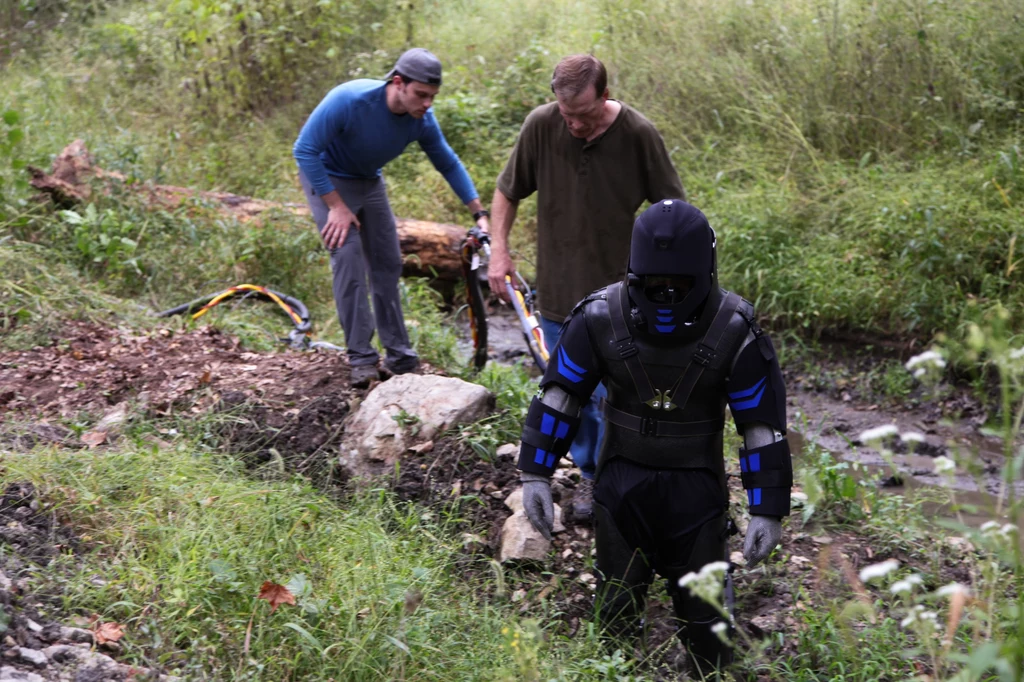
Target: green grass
(182, 540)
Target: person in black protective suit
(672, 348)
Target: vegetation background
(861, 162)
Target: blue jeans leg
(587, 445)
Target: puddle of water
(966, 503)
(505, 342)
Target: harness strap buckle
(626, 348)
(648, 426)
(704, 355)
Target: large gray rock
(407, 410)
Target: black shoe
(583, 501)
(360, 376)
(410, 363)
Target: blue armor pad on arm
(573, 365)
(767, 475)
(546, 437)
(757, 392)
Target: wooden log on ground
(429, 249)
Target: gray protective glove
(763, 533)
(537, 503)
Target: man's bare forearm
(503, 214)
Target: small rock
(76, 635)
(821, 540)
(33, 656)
(61, 653)
(518, 595)
(737, 558)
(962, 544)
(8, 674)
(587, 578)
(507, 451)
(520, 540)
(765, 623)
(514, 501)
(33, 626)
(5, 582)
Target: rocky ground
(293, 404)
(40, 643)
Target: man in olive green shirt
(593, 161)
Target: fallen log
(429, 249)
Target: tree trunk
(429, 249)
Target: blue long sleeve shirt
(353, 134)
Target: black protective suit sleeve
(757, 394)
(573, 364)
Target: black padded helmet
(672, 266)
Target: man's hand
(500, 265)
(537, 502)
(763, 533)
(339, 220)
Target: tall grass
(860, 160)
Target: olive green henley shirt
(588, 195)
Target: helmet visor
(667, 289)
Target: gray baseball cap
(418, 64)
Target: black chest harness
(677, 396)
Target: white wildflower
(879, 570)
(918, 614)
(878, 433)
(989, 526)
(951, 589)
(912, 437)
(721, 630)
(1017, 353)
(926, 359)
(944, 465)
(1008, 529)
(707, 584)
(906, 585)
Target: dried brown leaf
(276, 595)
(106, 632)
(94, 438)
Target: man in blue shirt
(354, 131)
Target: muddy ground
(293, 404)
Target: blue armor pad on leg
(757, 392)
(767, 475)
(546, 437)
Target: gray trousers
(373, 249)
